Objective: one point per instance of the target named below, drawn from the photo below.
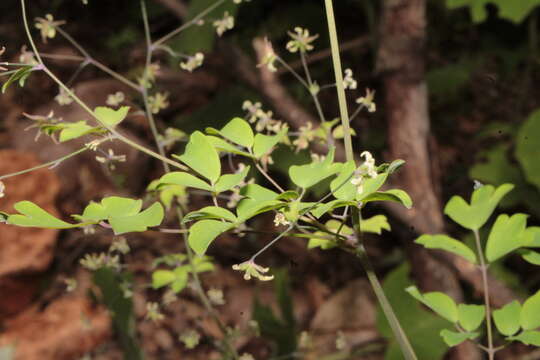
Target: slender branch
(73, 42)
(483, 269)
(269, 245)
(115, 75)
(45, 165)
(189, 23)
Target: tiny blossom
(477, 185)
(110, 159)
(171, 137)
(93, 145)
(234, 198)
(216, 296)
(252, 109)
(280, 219)
(269, 59)
(246, 356)
(301, 40)
(127, 290)
(47, 27)
(63, 97)
(192, 62)
(224, 24)
(71, 284)
(190, 339)
(314, 88)
(2, 189)
(305, 341)
(27, 57)
(317, 157)
(89, 230)
(116, 99)
(341, 341)
(152, 71)
(158, 102)
(348, 81)
(153, 313)
(367, 101)
(253, 270)
(93, 261)
(169, 297)
(306, 135)
(120, 245)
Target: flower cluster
(153, 312)
(305, 136)
(280, 219)
(253, 270)
(264, 119)
(366, 170)
(192, 62)
(94, 262)
(301, 40)
(190, 339)
(47, 27)
(109, 159)
(224, 24)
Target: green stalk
(401, 337)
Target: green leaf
(229, 181)
(237, 130)
(325, 243)
(528, 338)
(471, 316)
(394, 195)
(452, 338)
(371, 185)
(515, 11)
(527, 149)
(483, 202)
(263, 144)
(202, 157)
(248, 208)
(181, 279)
(184, 179)
(257, 192)
(324, 208)
(506, 235)
(152, 216)
(20, 75)
(111, 117)
(75, 130)
(375, 224)
(447, 243)
(161, 278)
(224, 146)
(32, 215)
(439, 302)
(202, 233)
(341, 186)
(529, 318)
(308, 175)
(507, 318)
(210, 212)
(532, 257)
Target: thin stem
(46, 165)
(62, 57)
(293, 72)
(149, 113)
(334, 44)
(115, 75)
(268, 177)
(356, 112)
(73, 42)
(269, 245)
(401, 337)
(29, 34)
(483, 269)
(188, 24)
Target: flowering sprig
(157, 102)
(366, 170)
(47, 26)
(110, 159)
(301, 40)
(251, 269)
(224, 24)
(116, 99)
(64, 98)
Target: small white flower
(2, 189)
(301, 40)
(192, 62)
(280, 219)
(63, 97)
(269, 58)
(367, 101)
(367, 169)
(224, 24)
(116, 99)
(253, 270)
(157, 102)
(47, 26)
(348, 81)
